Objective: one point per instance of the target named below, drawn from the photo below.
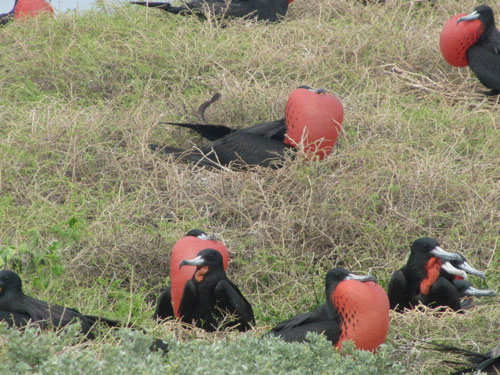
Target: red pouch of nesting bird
(456, 39)
(313, 117)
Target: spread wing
(229, 298)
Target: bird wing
(164, 307)
(56, 315)
(188, 302)
(329, 328)
(272, 129)
(316, 315)
(398, 290)
(485, 64)
(240, 149)
(208, 131)
(229, 298)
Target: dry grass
(80, 99)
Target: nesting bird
(475, 41)
(187, 247)
(420, 280)
(356, 309)
(19, 310)
(263, 10)
(210, 300)
(312, 118)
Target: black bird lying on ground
(420, 280)
(261, 144)
(356, 309)
(488, 363)
(266, 10)
(18, 310)
(210, 301)
(312, 117)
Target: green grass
(88, 214)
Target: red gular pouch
(313, 119)
(456, 39)
(364, 311)
(31, 8)
(188, 248)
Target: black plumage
(488, 363)
(164, 309)
(260, 144)
(17, 309)
(265, 10)
(419, 281)
(211, 301)
(323, 320)
(484, 55)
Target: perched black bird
(17, 309)
(356, 311)
(210, 301)
(487, 363)
(164, 308)
(264, 10)
(420, 281)
(484, 56)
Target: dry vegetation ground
(90, 213)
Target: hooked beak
(471, 17)
(198, 261)
(471, 270)
(363, 278)
(318, 91)
(444, 255)
(471, 291)
(448, 267)
(210, 237)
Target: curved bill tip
(445, 255)
(209, 237)
(198, 261)
(471, 270)
(470, 17)
(451, 269)
(362, 278)
(471, 291)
